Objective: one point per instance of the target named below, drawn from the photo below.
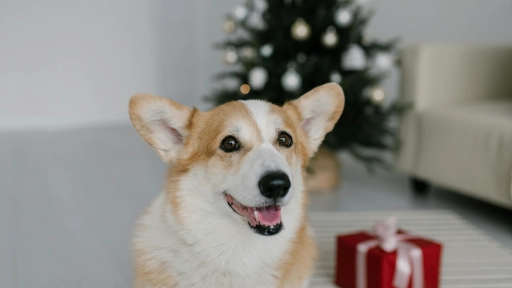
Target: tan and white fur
(189, 236)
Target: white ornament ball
(266, 50)
(229, 25)
(336, 77)
(377, 96)
(382, 62)
(343, 17)
(255, 21)
(260, 5)
(291, 80)
(300, 30)
(330, 37)
(258, 77)
(230, 56)
(240, 12)
(354, 58)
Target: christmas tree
(280, 49)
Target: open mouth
(263, 220)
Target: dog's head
(246, 156)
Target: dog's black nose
(274, 184)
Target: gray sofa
(458, 134)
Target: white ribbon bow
(409, 258)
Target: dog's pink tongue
(269, 215)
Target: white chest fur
(212, 254)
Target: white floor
(68, 201)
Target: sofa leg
(418, 186)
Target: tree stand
(323, 172)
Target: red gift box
(380, 266)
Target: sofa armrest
(435, 75)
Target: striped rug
(471, 259)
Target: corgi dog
(233, 210)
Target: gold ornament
(248, 53)
(330, 37)
(300, 30)
(245, 89)
(230, 56)
(229, 25)
(377, 95)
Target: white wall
(177, 27)
(453, 21)
(74, 63)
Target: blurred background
(77, 64)
(75, 175)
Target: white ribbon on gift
(409, 258)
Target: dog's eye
(229, 144)
(285, 140)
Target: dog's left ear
(319, 111)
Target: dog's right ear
(161, 122)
